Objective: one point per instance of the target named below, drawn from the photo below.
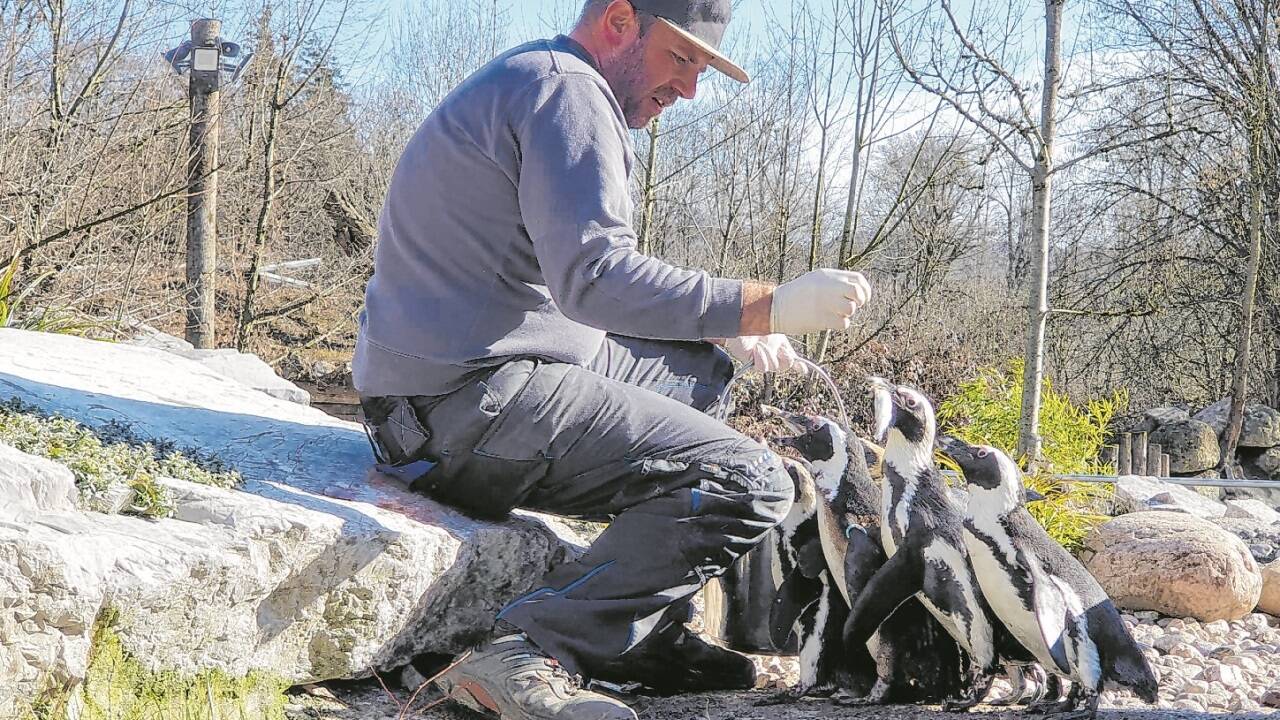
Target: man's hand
(767, 353)
(823, 299)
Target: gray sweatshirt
(507, 232)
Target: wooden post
(1154, 451)
(1124, 461)
(1140, 454)
(1165, 461)
(202, 190)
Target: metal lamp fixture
(224, 56)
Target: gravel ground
(1215, 669)
(365, 702)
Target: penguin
(910, 647)
(1046, 598)
(922, 535)
(808, 603)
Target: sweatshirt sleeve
(575, 205)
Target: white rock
(1185, 650)
(1243, 662)
(1189, 704)
(1139, 494)
(1195, 687)
(1250, 509)
(33, 484)
(1227, 676)
(249, 370)
(1165, 643)
(316, 570)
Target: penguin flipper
(796, 593)
(811, 560)
(862, 558)
(891, 585)
(1052, 612)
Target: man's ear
(620, 22)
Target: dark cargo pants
(625, 438)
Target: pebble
(1228, 675)
(1219, 667)
(1271, 698)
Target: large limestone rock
(317, 569)
(1140, 494)
(1269, 603)
(1192, 445)
(1261, 428)
(1175, 564)
(1155, 417)
(245, 368)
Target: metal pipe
(1188, 482)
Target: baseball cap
(701, 22)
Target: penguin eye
(911, 401)
(983, 453)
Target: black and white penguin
(922, 534)
(910, 648)
(1042, 594)
(808, 603)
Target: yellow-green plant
(986, 410)
(62, 321)
(106, 458)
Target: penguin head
(988, 469)
(904, 410)
(819, 441)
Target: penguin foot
(878, 695)
(959, 705)
(1012, 698)
(1044, 706)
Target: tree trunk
(1029, 440)
(1240, 373)
(650, 191)
(263, 226)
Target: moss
(118, 687)
(110, 458)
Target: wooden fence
(1135, 455)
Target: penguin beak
(956, 449)
(1031, 494)
(886, 406)
(790, 420)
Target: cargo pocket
(495, 470)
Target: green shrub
(986, 410)
(109, 458)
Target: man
(517, 345)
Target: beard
(627, 78)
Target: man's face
(651, 73)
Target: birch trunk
(1029, 439)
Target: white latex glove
(767, 353)
(823, 299)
